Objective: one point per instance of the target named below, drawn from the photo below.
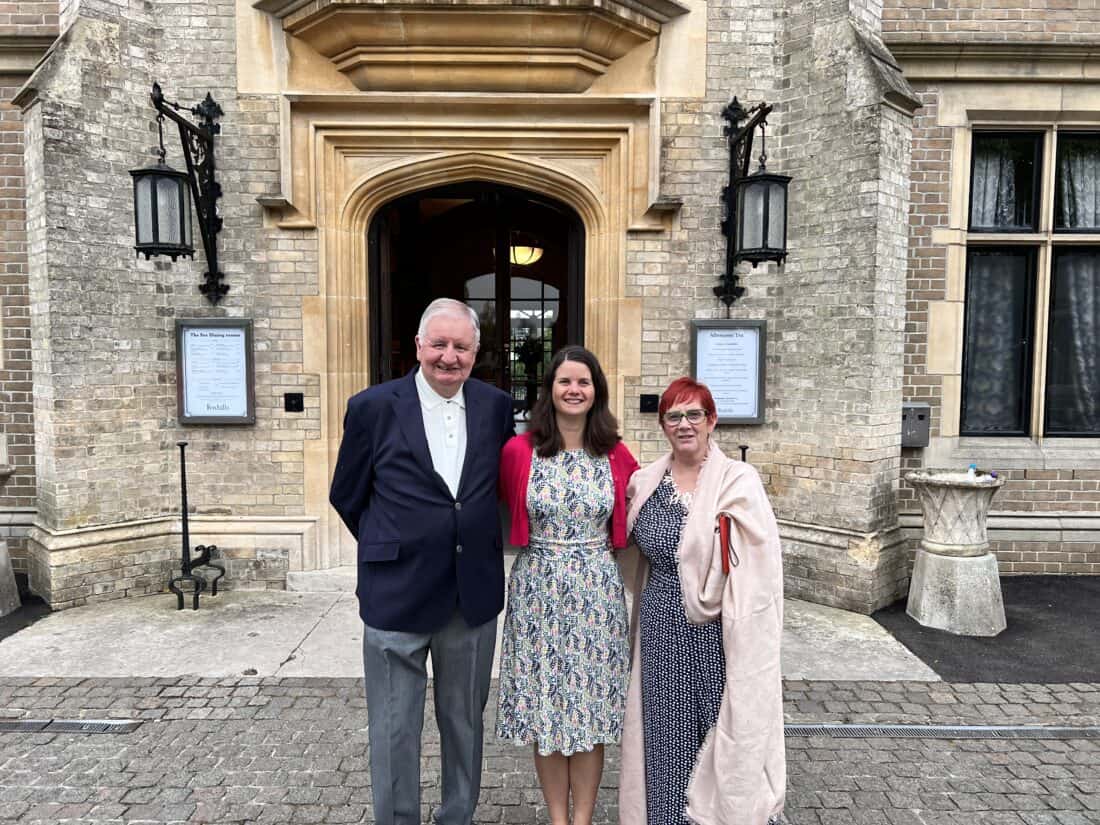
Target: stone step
(342, 579)
(333, 580)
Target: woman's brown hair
(601, 430)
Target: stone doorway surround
(347, 155)
(379, 100)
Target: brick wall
(103, 322)
(1019, 557)
(833, 240)
(827, 452)
(927, 280)
(839, 422)
(105, 332)
(16, 415)
(18, 21)
(675, 273)
(28, 18)
(1063, 21)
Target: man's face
(446, 353)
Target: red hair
(687, 389)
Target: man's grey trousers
(396, 677)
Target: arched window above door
(463, 45)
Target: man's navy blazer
(422, 552)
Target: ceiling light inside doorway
(525, 249)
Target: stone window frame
(1043, 244)
(964, 108)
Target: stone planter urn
(9, 592)
(956, 585)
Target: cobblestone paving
(294, 751)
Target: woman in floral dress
(565, 661)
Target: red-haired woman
(703, 735)
(566, 655)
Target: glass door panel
(534, 312)
(480, 292)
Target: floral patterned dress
(565, 658)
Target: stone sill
(16, 521)
(937, 57)
(1017, 526)
(19, 54)
(1019, 453)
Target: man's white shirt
(445, 427)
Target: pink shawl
(740, 775)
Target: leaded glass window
(1073, 344)
(1041, 286)
(1077, 185)
(997, 341)
(1004, 188)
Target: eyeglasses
(674, 417)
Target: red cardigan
(515, 470)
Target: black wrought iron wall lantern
(163, 195)
(755, 224)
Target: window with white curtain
(1003, 186)
(1031, 344)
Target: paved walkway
(294, 751)
(251, 711)
(277, 633)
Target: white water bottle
(972, 471)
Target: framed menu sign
(214, 371)
(728, 356)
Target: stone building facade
(349, 127)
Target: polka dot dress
(683, 665)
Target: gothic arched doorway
(516, 257)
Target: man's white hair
(452, 309)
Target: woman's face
(688, 439)
(573, 391)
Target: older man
(416, 484)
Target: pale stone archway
(352, 363)
(598, 166)
(347, 306)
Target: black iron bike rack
(198, 583)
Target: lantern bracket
(198, 149)
(739, 139)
